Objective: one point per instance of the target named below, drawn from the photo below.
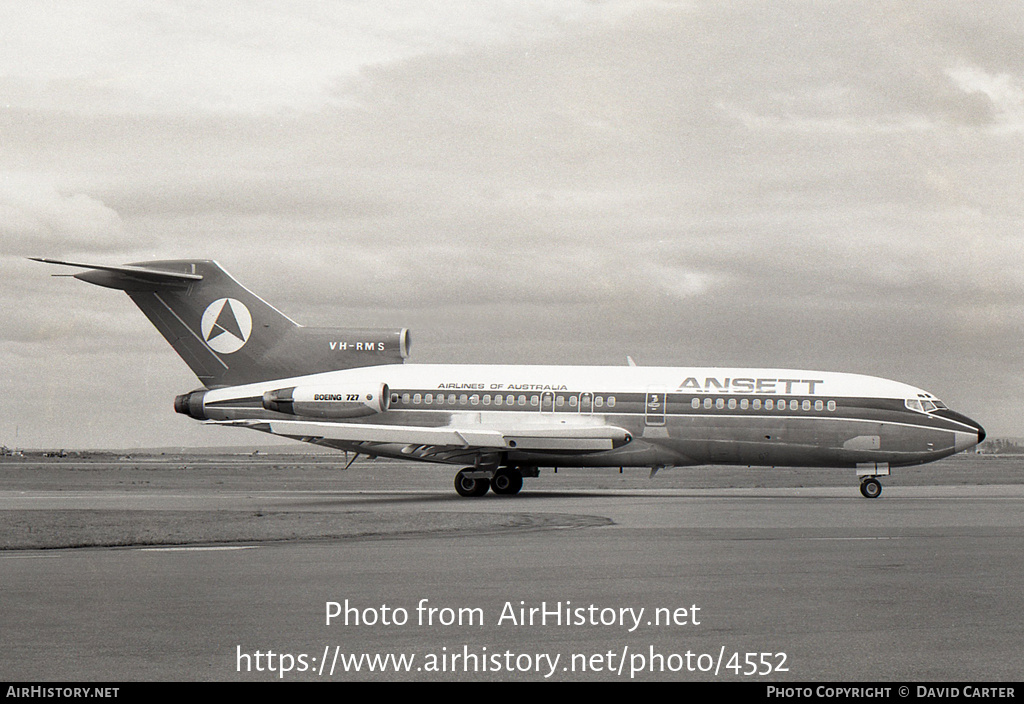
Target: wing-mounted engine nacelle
(328, 401)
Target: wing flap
(581, 439)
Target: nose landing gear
(870, 488)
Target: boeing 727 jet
(350, 389)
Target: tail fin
(228, 335)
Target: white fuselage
(673, 415)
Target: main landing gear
(472, 482)
(870, 487)
(505, 481)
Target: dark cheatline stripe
(865, 409)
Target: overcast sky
(819, 185)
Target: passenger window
(831, 405)
(487, 399)
(428, 399)
(806, 405)
(534, 400)
(769, 404)
(757, 404)
(599, 401)
(695, 403)
(474, 400)
(611, 402)
(405, 398)
(744, 403)
(522, 399)
(417, 398)
(819, 405)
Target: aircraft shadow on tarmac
(443, 498)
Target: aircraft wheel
(871, 488)
(507, 481)
(468, 486)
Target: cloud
(714, 182)
(115, 56)
(37, 219)
(1003, 91)
(681, 283)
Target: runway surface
(814, 583)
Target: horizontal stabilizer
(129, 277)
(581, 439)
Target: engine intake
(329, 402)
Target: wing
(482, 438)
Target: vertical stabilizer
(228, 335)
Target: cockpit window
(924, 405)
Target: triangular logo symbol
(226, 325)
(226, 322)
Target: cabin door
(586, 402)
(547, 402)
(654, 413)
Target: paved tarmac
(811, 583)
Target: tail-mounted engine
(328, 401)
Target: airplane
(350, 389)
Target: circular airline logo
(226, 325)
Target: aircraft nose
(972, 433)
(967, 440)
(977, 428)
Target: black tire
(507, 481)
(468, 486)
(871, 488)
